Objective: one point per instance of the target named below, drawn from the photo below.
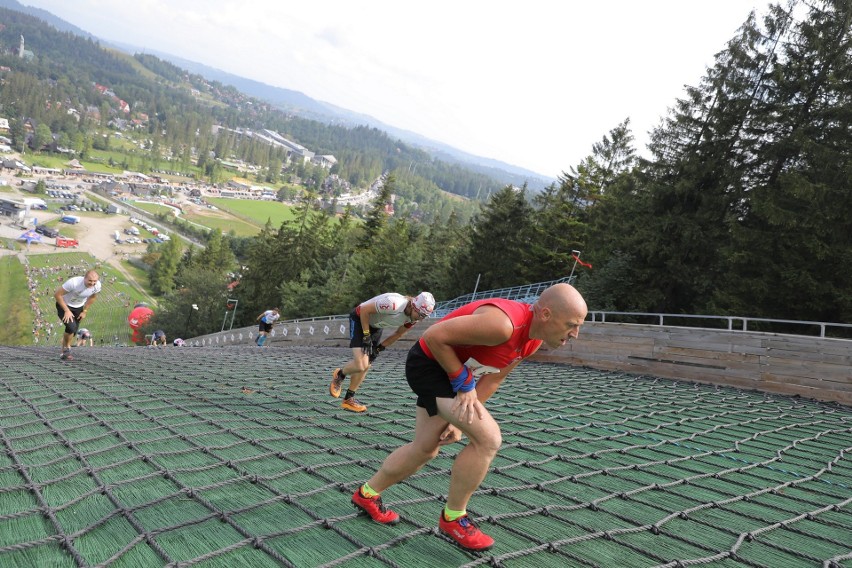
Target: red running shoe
(465, 533)
(373, 507)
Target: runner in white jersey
(73, 299)
(366, 323)
(267, 319)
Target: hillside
(299, 104)
(296, 106)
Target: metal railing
(729, 323)
(529, 293)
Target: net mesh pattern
(238, 456)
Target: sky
(532, 83)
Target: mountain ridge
(307, 107)
(304, 106)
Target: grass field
(9, 244)
(61, 162)
(153, 208)
(140, 280)
(256, 211)
(238, 226)
(17, 317)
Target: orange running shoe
(337, 378)
(373, 507)
(353, 405)
(465, 532)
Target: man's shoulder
(390, 301)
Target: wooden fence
(813, 367)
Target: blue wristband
(463, 382)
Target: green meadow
(239, 227)
(254, 211)
(16, 314)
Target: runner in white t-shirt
(267, 319)
(366, 323)
(73, 299)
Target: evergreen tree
(559, 227)
(500, 240)
(262, 272)
(216, 255)
(392, 261)
(686, 196)
(443, 248)
(377, 217)
(205, 288)
(791, 247)
(164, 270)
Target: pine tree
(500, 240)
(164, 270)
(377, 218)
(791, 245)
(686, 197)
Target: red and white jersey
(390, 311)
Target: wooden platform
(787, 364)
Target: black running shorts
(356, 334)
(70, 328)
(427, 379)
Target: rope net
(224, 457)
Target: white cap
(424, 303)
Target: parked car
(47, 231)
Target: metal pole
(233, 312)
(476, 287)
(188, 318)
(576, 255)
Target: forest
(743, 206)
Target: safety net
(238, 457)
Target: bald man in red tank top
(454, 369)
